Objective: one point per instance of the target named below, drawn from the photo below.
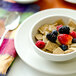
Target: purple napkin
(19, 7)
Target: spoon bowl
(14, 18)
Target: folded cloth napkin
(7, 49)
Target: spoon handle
(2, 38)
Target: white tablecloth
(20, 68)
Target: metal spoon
(11, 23)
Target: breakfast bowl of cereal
(54, 37)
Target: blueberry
(64, 30)
(55, 32)
(48, 36)
(74, 40)
(51, 37)
(64, 47)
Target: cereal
(57, 41)
(43, 49)
(55, 24)
(72, 48)
(39, 36)
(73, 45)
(72, 23)
(46, 32)
(59, 22)
(51, 46)
(58, 51)
(68, 51)
(45, 39)
(72, 29)
(52, 27)
(48, 51)
(43, 28)
(69, 46)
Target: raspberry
(65, 39)
(64, 30)
(73, 34)
(40, 44)
(58, 27)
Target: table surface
(20, 68)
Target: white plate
(71, 1)
(26, 1)
(28, 55)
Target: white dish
(26, 1)
(50, 20)
(28, 55)
(71, 1)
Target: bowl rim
(46, 53)
(25, 2)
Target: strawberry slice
(58, 27)
(73, 34)
(65, 39)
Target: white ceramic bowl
(71, 1)
(26, 1)
(49, 20)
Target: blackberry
(64, 30)
(48, 36)
(74, 40)
(55, 32)
(51, 37)
(64, 47)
